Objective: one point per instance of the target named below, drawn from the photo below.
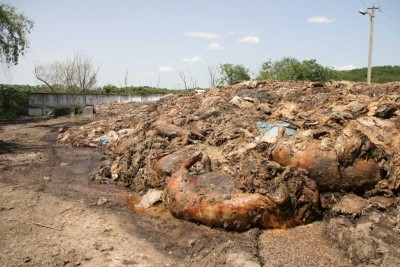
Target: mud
(370, 239)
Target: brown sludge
(218, 166)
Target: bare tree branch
(183, 77)
(158, 81)
(212, 75)
(74, 75)
(126, 76)
(37, 74)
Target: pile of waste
(261, 154)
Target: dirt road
(52, 214)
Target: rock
(241, 103)
(46, 178)
(88, 111)
(252, 84)
(114, 176)
(150, 198)
(102, 201)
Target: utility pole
(371, 37)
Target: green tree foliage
(231, 74)
(13, 100)
(138, 90)
(14, 28)
(291, 69)
(380, 74)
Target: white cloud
(203, 35)
(348, 67)
(214, 46)
(318, 19)
(166, 69)
(193, 60)
(250, 39)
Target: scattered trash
(104, 139)
(270, 130)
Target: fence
(42, 103)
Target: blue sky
(154, 39)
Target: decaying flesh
(359, 156)
(347, 139)
(215, 199)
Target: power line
(388, 25)
(391, 3)
(390, 17)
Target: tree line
(291, 69)
(380, 74)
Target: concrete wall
(42, 103)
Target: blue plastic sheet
(272, 128)
(105, 139)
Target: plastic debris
(104, 139)
(270, 130)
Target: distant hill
(380, 74)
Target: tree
(14, 28)
(75, 75)
(186, 78)
(380, 74)
(289, 68)
(284, 70)
(183, 77)
(212, 75)
(231, 74)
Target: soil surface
(53, 214)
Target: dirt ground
(52, 214)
